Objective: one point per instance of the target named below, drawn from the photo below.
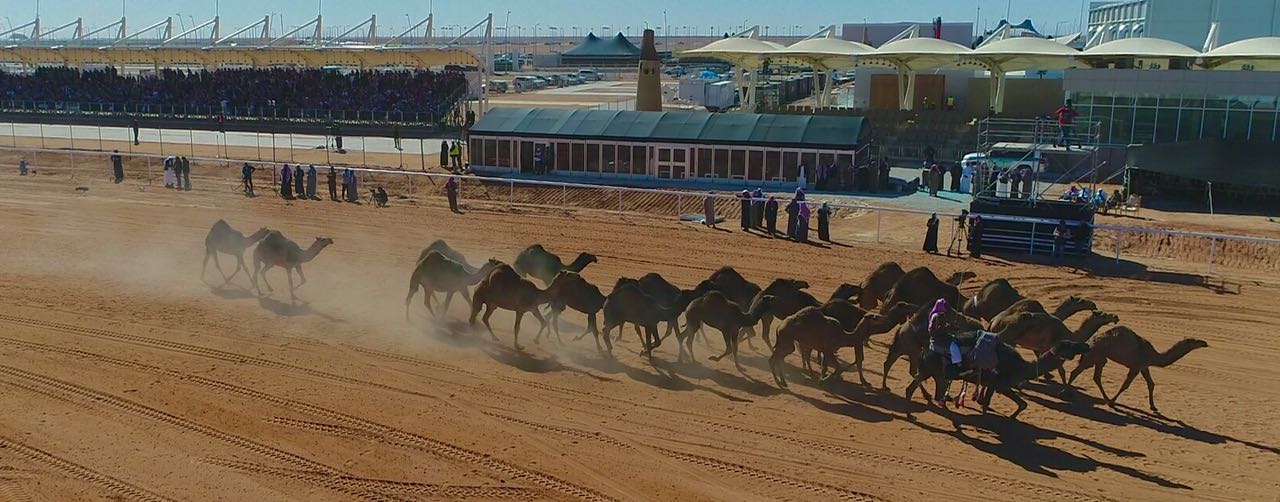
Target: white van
(589, 75)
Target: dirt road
(123, 375)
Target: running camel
(506, 289)
(437, 272)
(224, 239)
(535, 261)
(277, 251)
(1122, 345)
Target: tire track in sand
(385, 434)
(450, 492)
(77, 471)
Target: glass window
(504, 153)
(1264, 125)
(810, 161)
(1121, 126)
(738, 163)
(1215, 104)
(678, 155)
(624, 159)
(562, 156)
(1166, 125)
(1192, 102)
(1148, 100)
(1189, 124)
(1238, 124)
(490, 152)
(610, 163)
(593, 158)
(1144, 126)
(1214, 124)
(476, 146)
(579, 157)
(721, 163)
(772, 165)
(640, 160)
(664, 155)
(704, 161)
(790, 165)
(755, 165)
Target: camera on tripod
(963, 219)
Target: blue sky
(809, 14)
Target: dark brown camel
(1122, 345)
(875, 324)
(912, 337)
(921, 287)
(504, 288)
(535, 261)
(277, 251)
(1010, 373)
(1045, 330)
(735, 287)
(878, 284)
(991, 300)
(808, 334)
(437, 272)
(443, 248)
(627, 303)
(1070, 306)
(671, 297)
(716, 310)
(570, 290)
(224, 239)
(846, 291)
(789, 297)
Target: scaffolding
(1009, 146)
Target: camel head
(489, 266)
(1068, 349)
(623, 281)
(847, 291)
(1192, 343)
(1103, 318)
(1079, 303)
(760, 306)
(322, 242)
(959, 278)
(582, 261)
(785, 285)
(900, 312)
(260, 234)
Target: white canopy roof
(1024, 53)
(747, 52)
(827, 52)
(1140, 47)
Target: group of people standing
(760, 213)
(297, 184)
(177, 173)
(451, 156)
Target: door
(673, 163)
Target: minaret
(649, 88)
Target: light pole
(535, 29)
(1057, 28)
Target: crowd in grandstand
(259, 90)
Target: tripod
(959, 240)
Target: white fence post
(619, 201)
(1213, 249)
(1032, 240)
(879, 217)
(1119, 235)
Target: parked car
(589, 75)
(541, 82)
(571, 79)
(675, 71)
(498, 86)
(524, 83)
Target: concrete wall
(957, 84)
(1173, 82)
(1023, 97)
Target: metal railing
(239, 113)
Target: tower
(649, 87)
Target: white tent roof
(1265, 47)
(739, 51)
(831, 53)
(1024, 53)
(1141, 47)
(921, 46)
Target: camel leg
(1084, 365)
(780, 352)
(1125, 386)
(730, 340)
(1013, 396)
(685, 337)
(239, 266)
(766, 324)
(426, 300)
(288, 272)
(1151, 389)
(829, 361)
(214, 255)
(805, 355)
(1097, 379)
(736, 364)
(475, 309)
(263, 274)
(488, 312)
(448, 298)
(516, 330)
(894, 354)
(204, 266)
(301, 275)
(747, 334)
(857, 361)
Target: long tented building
(681, 145)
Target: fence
(1222, 255)
(240, 113)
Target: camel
(875, 324)
(1046, 330)
(846, 291)
(535, 261)
(628, 303)
(437, 272)
(788, 298)
(876, 286)
(1070, 306)
(570, 290)
(504, 288)
(1122, 345)
(735, 287)
(224, 239)
(991, 300)
(715, 309)
(1010, 372)
(443, 248)
(912, 337)
(277, 251)
(808, 333)
(921, 287)
(670, 296)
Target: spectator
(455, 154)
(935, 179)
(1061, 234)
(538, 167)
(311, 183)
(771, 215)
(186, 174)
(299, 182)
(395, 136)
(170, 172)
(976, 227)
(444, 155)
(333, 184)
(931, 235)
(379, 197)
(744, 199)
(709, 210)
(286, 182)
(246, 176)
(955, 177)
(824, 223)
(1066, 123)
(451, 189)
(802, 181)
(757, 208)
(346, 183)
(793, 218)
(930, 155)
(22, 167)
(117, 166)
(135, 131)
(802, 223)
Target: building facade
(1184, 21)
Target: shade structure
(1024, 53)
(1139, 48)
(596, 51)
(741, 52)
(920, 54)
(1252, 54)
(829, 53)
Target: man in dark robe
(745, 199)
(793, 218)
(757, 208)
(824, 223)
(299, 182)
(286, 182)
(955, 177)
(333, 184)
(771, 215)
(931, 235)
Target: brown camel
(715, 309)
(535, 261)
(570, 290)
(1122, 345)
(277, 251)
(991, 300)
(627, 303)
(1047, 329)
(876, 286)
(875, 324)
(504, 288)
(443, 248)
(921, 287)
(911, 338)
(224, 239)
(1070, 306)
(671, 297)
(788, 298)
(437, 272)
(735, 287)
(806, 332)
(846, 291)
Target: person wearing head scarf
(802, 222)
(709, 210)
(757, 208)
(975, 236)
(311, 182)
(299, 182)
(793, 217)
(943, 343)
(744, 198)
(771, 215)
(824, 223)
(931, 235)
(800, 194)
(354, 192)
(332, 178)
(169, 172)
(286, 182)
(451, 188)
(444, 155)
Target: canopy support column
(906, 89)
(998, 81)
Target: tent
(596, 51)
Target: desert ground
(126, 375)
